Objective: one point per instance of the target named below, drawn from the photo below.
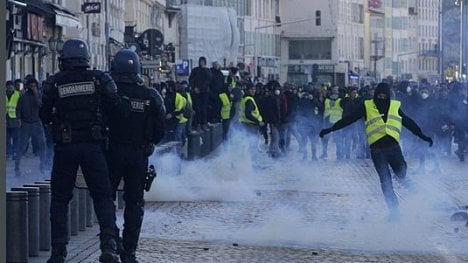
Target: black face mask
(382, 105)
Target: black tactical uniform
(74, 104)
(132, 141)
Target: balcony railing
(429, 53)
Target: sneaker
(324, 156)
(58, 255)
(17, 172)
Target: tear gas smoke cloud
(319, 204)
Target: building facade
(428, 39)
(261, 39)
(323, 41)
(35, 32)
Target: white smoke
(310, 204)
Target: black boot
(128, 256)
(58, 255)
(109, 252)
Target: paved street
(285, 210)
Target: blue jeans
(11, 141)
(275, 138)
(383, 158)
(35, 131)
(180, 132)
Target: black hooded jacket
(383, 107)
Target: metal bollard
(33, 218)
(44, 215)
(206, 145)
(120, 200)
(17, 230)
(89, 210)
(194, 144)
(69, 222)
(74, 213)
(82, 209)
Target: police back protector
(79, 106)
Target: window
(361, 48)
(248, 7)
(318, 18)
(319, 49)
(358, 13)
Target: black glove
(325, 132)
(429, 140)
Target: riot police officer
(76, 102)
(132, 141)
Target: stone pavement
(285, 210)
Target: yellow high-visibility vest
(376, 128)
(334, 113)
(180, 102)
(226, 106)
(233, 83)
(255, 113)
(12, 103)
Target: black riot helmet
(126, 67)
(74, 54)
(126, 61)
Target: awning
(65, 18)
(18, 3)
(39, 8)
(54, 14)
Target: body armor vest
(137, 127)
(79, 109)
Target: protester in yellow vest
(251, 120)
(12, 97)
(226, 110)
(182, 113)
(250, 113)
(384, 120)
(333, 112)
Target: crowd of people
(288, 111)
(300, 111)
(110, 123)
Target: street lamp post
(54, 46)
(255, 60)
(461, 39)
(463, 19)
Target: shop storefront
(34, 37)
(300, 74)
